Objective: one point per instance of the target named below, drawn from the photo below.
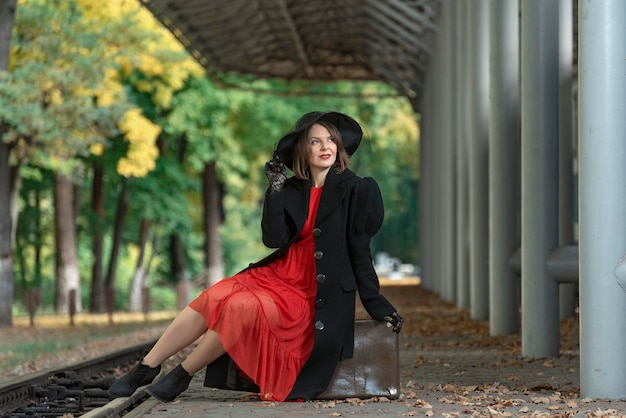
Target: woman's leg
(177, 381)
(186, 328)
(208, 349)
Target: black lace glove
(394, 321)
(275, 172)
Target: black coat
(350, 212)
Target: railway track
(79, 389)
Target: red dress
(264, 315)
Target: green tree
(52, 109)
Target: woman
(286, 320)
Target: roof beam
(295, 36)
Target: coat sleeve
(274, 228)
(366, 218)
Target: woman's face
(322, 148)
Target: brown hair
(301, 152)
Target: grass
(54, 334)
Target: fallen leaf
(544, 399)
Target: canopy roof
(388, 40)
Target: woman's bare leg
(186, 328)
(208, 349)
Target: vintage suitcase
(375, 368)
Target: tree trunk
(213, 258)
(37, 277)
(67, 276)
(177, 251)
(118, 229)
(98, 294)
(16, 185)
(135, 296)
(7, 20)
(179, 269)
(6, 250)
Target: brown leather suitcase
(375, 368)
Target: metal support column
(539, 75)
(426, 200)
(448, 157)
(504, 156)
(567, 291)
(602, 123)
(437, 121)
(478, 15)
(462, 133)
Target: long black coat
(350, 212)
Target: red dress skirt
(264, 315)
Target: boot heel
(172, 385)
(139, 375)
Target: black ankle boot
(172, 385)
(139, 375)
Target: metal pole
(602, 123)
(462, 184)
(504, 156)
(567, 291)
(426, 203)
(539, 70)
(478, 15)
(436, 241)
(447, 173)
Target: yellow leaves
(162, 96)
(144, 86)
(137, 127)
(151, 66)
(109, 91)
(55, 97)
(141, 135)
(164, 76)
(96, 149)
(177, 74)
(162, 61)
(98, 10)
(126, 65)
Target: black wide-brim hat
(351, 133)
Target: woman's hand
(394, 321)
(275, 172)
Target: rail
(80, 389)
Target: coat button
(321, 278)
(319, 325)
(318, 255)
(317, 232)
(320, 303)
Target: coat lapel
(296, 203)
(331, 197)
(333, 193)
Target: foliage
(54, 99)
